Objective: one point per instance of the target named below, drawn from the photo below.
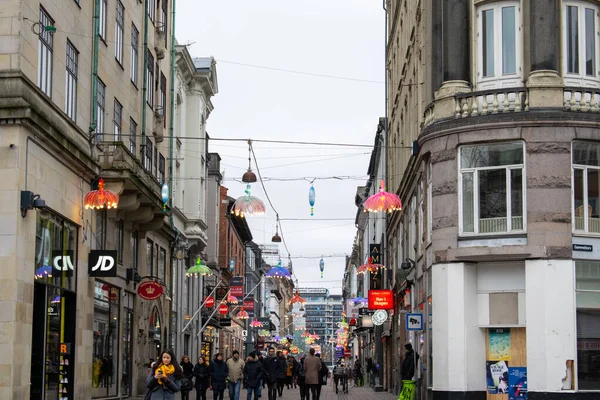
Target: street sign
(347, 353)
(414, 322)
(364, 311)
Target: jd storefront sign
(103, 263)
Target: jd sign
(102, 263)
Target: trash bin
(408, 390)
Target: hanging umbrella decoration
(242, 315)
(198, 270)
(256, 323)
(370, 267)
(165, 195)
(359, 300)
(44, 271)
(297, 299)
(101, 198)
(248, 205)
(311, 200)
(279, 272)
(322, 266)
(382, 201)
(232, 300)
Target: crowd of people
(272, 373)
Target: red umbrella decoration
(101, 198)
(370, 267)
(305, 334)
(297, 299)
(383, 201)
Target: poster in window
(517, 383)
(499, 345)
(497, 377)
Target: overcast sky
(338, 38)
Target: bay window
(492, 188)
(580, 32)
(499, 45)
(586, 181)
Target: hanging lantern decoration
(382, 201)
(322, 266)
(297, 299)
(248, 205)
(279, 272)
(232, 265)
(165, 195)
(359, 300)
(242, 315)
(198, 269)
(223, 309)
(256, 323)
(249, 176)
(311, 200)
(276, 238)
(101, 198)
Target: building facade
(492, 146)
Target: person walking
(235, 366)
(289, 372)
(407, 370)
(218, 374)
(304, 392)
(271, 370)
(347, 377)
(312, 364)
(370, 371)
(163, 380)
(338, 372)
(323, 375)
(202, 375)
(188, 374)
(253, 373)
(281, 372)
(357, 373)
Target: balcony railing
(490, 102)
(496, 225)
(582, 99)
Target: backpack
(186, 384)
(302, 372)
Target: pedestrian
(202, 374)
(218, 375)
(271, 370)
(188, 373)
(323, 375)
(370, 371)
(235, 366)
(253, 373)
(407, 370)
(163, 380)
(357, 373)
(304, 392)
(347, 376)
(312, 365)
(281, 371)
(295, 369)
(338, 372)
(261, 360)
(289, 372)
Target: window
(155, 164)
(580, 27)
(587, 291)
(134, 247)
(492, 188)
(120, 240)
(128, 337)
(117, 120)
(119, 31)
(135, 35)
(162, 101)
(163, 15)
(429, 201)
(151, 10)
(148, 155)
(71, 82)
(102, 19)
(45, 46)
(132, 135)
(100, 107)
(161, 169)
(150, 79)
(498, 38)
(106, 339)
(150, 257)
(162, 264)
(586, 190)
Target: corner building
(501, 191)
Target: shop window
(586, 184)
(154, 333)
(105, 364)
(127, 338)
(587, 277)
(580, 32)
(492, 188)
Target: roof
(203, 62)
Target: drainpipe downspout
(94, 121)
(144, 84)
(172, 115)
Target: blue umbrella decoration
(165, 195)
(311, 200)
(44, 271)
(279, 272)
(321, 266)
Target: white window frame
(100, 108)
(72, 61)
(586, 216)
(474, 171)
(45, 54)
(102, 19)
(152, 10)
(119, 31)
(135, 54)
(499, 79)
(132, 135)
(581, 78)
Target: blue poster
(517, 383)
(497, 377)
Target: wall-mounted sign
(381, 300)
(414, 322)
(225, 321)
(375, 253)
(223, 309)
(379, 317)
(209, 302)
(248, 305)
(65, 348)
(364, 311)
(236, 284)
(62, 261)
(221, 293)
(583, 247)
(102, 263)
(150, 290)
(352, 322)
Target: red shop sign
(223, 309)
(210, 301)
(150, 290)
(381, 300)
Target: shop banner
(497, 377)
(339, 352)
(103, 263)
(375, 253)
(225, 321)
(381, 300)
(248, 305)
(236, 284)
(62, 262)
(517, 383)
(221, 293)
(499, 345)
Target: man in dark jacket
(253, 373)
(281, 372)
(408, 365)
(218, 375)
(304, 392)
(271, 366)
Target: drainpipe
(144, 84)
(94, 121)
(172, 115)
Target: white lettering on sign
(63, 263)
(105, 263)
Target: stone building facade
(493, 142)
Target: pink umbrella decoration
(256, 323)
(242, 315)
(232, 299)
(382, 201)
(248, 205)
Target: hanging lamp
(248, 205)
(276, 238)
(198, 269)
(279, 272)
(256, 323)
(311, 200)
(165, 195)
(249, 176)
(101, 198)
(382, 201)
(297, 299)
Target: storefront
(105, 378)
(54, 307)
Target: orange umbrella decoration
(242, 315)
(382, 201)
(369, 266)
(101, 198)
(306, 334)
(297, 299)
(315, 336)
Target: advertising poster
(499, 345)
(497, 377)
(517, 383)
(236, 286)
